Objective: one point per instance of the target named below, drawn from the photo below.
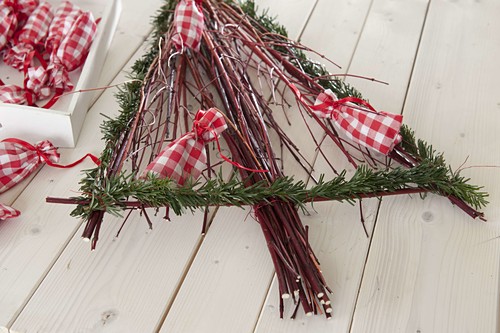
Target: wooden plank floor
(426, 266)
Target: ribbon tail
(67, 166)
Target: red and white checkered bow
(13, 14)
(8, 212)
(33, 91)
(32, 34)
(363, 125)
(185, 158)
(18, 160)
(189, 24)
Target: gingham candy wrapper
(35, 89)
(185, 157)
(13, 14)
(189, 24)
(33, 33)
(367, 127)
(12, 94)
(66, 14)
(18, 160)
(72, 51)
(7, 212)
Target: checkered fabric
(66, 14)
(35, 88)
(36, 80)
(12, 94)
(18, 161)
(13, 14)
(33, 33)
(185, 158)
(68, 56)
(189, 24)
(8, 212)
(369, 128)
(72, 51)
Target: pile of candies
(45, 44)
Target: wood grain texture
(228, 280)
(123, 286)
(31, 243)
(334, 29)
(431, 268)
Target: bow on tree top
(361, 124)
(189, 25)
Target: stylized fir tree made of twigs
(244, 58)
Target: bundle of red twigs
(241, 66)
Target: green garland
(109, 194)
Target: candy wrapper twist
(13, 14)
(19, 159)
(29, 37)
(68, 56)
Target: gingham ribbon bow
(33, 33)
(189, 24)
(361, 124)
(18, 159)
(13, 13)
(64, 18)
(185, 157)
(69, 55)
(17, 162)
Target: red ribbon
(199, 129)
(342, 101)
(43, 157)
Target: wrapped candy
(13, 14)
(189, 24)
(31, 35)
(68, 55)
(69, 38)
(369, 128)
(18, 159)
(66, 14)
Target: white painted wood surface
(426, 267)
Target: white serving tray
(61, 123)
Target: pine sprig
(156, 192)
